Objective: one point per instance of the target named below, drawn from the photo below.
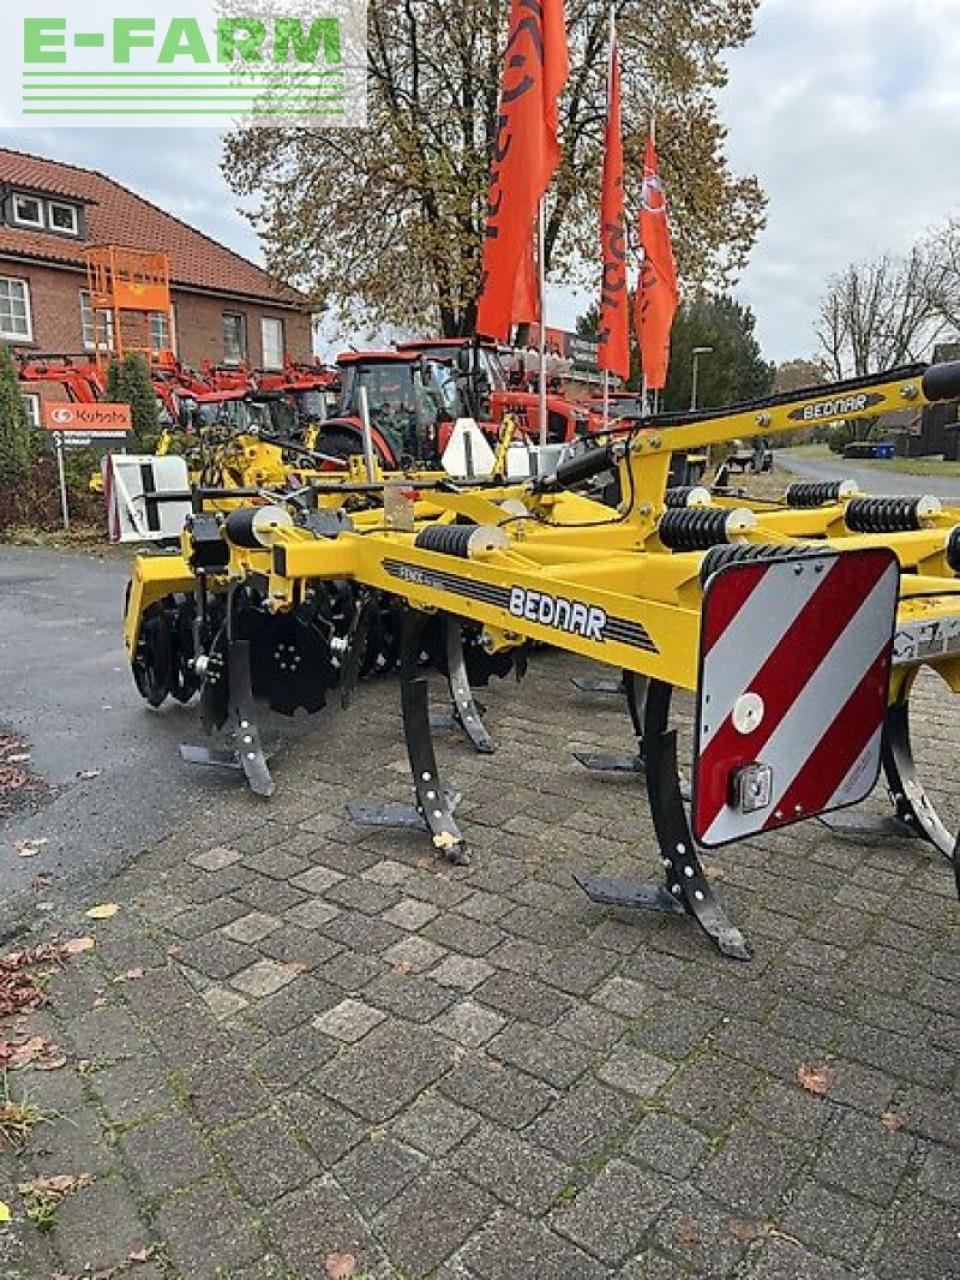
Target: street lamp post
(697, 353)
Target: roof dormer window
(28, 211)
(64, 218)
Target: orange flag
(613, 331)
(526, 151)
(657, 296)
(525, 308)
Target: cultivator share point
(798, 625)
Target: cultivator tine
(633, 687)
(356, 647)
(467, 712)
(597, 684)
(915, 817)
(243, 725)
(210, 757)
(600, 762)
(618, 891)
(435, 804)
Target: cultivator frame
(542, 563)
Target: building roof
(116, 215)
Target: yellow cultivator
(799, 625)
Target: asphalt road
(65, 686)
(873, 480)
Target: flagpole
(542, 281)
(610, 55)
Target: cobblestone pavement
(299, 1039)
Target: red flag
(526, 152)
(525, 308)
(657, 296)
(613, 332)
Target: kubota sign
(109, 62)
(108, 419)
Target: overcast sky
(847, 110)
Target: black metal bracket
(687, 889)
(435, 804)
(633, 687)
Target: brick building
(225, 309)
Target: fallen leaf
(86, 774)
(402, 966)
(688, 1233)
(5, 1215)
(30, 848)
(105, 911)
(815, 1079)
(339, 1266)
(84, 1066)
(130, 976)
(890, 1120)
(51, 1064)
(744, 1231)
(140, 1255)
(714, 873)
(42, 882)
(76, 945)
(21, 758)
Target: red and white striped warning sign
(795, 660)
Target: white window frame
(244, 337)
(85, 309)
(264, 322)
(169, 320)
(72, 210)
(20, 337)
(32, 400)
(40, 224)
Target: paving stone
(327, 1130)
(940, 1175)
(350, 971)
(676, 1029)
(634, 1071)
(376, 1171)
(752, 1170)
(521, 1175)
(98, 1228)
(611, 1216)
(542, 1054)
(104, 1034)
(165, 1154)
(414, 954)
(435, 1125)
(362, 933)
(222, 1002)
(908, 1057)
(72, 1145)
(316, 880)
(221, 1093)
(158, 993)
(577, 970)
(217, 957)
(455, 932)
(429, 1221)
(934, 1115)
(364, 895)
(468, 1023)
(410, 913)
(263, 978)
(312, 914)
(784, 1260)
(310, 1225)
(864, 1157)
(667, 1144)
(284, 1062)
(388, 871)
(830, 1222)
(500, 1093)
(386, 1070)
(922, 1242)
(711, 1091)
(591, 1027)
(132, 1088)
(189, 1036)
(261, 893)
(525, 998)
(293, 1004)
(487, 907)
(215, 859)
(266, 1161)
(463, 972)
(793, 1111)
(584, 1122)
(349, 1020)
(303, 947)
(251, 928)
(511, 1247)
(207, 1232)
(624, 996)
(276, 863)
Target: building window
(271, 332)
(64, 217)
(104, 321)
(31, 401)
(161, 338)
(15, 309)
(234, 337)
(28, 211)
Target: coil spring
(679, 497)
(693, 528)
(883, 515)
(953, 550)
(752, 553)
(814, 493)
(448, 539)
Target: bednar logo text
(563, 615)
(843, 406)
(100, 65)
